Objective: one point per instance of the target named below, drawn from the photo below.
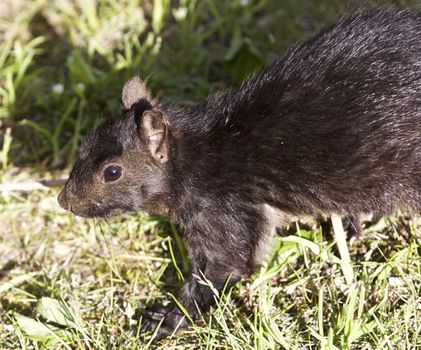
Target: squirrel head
(122, 165)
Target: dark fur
(332, 127)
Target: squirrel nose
(63, 199)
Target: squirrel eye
(112, 173)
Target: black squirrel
(334, 126)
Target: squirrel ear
(133, 91)
(154, 132)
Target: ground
(72, 283)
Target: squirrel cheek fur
(334, 126)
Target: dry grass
(71, 283)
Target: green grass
(71, 283)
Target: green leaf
(160, 12)
(242, 59)
(16, 281)
(56, 311)
(80, 70)
(36, 330)
(32, 327)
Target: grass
(71, 283)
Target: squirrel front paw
(166, 320)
